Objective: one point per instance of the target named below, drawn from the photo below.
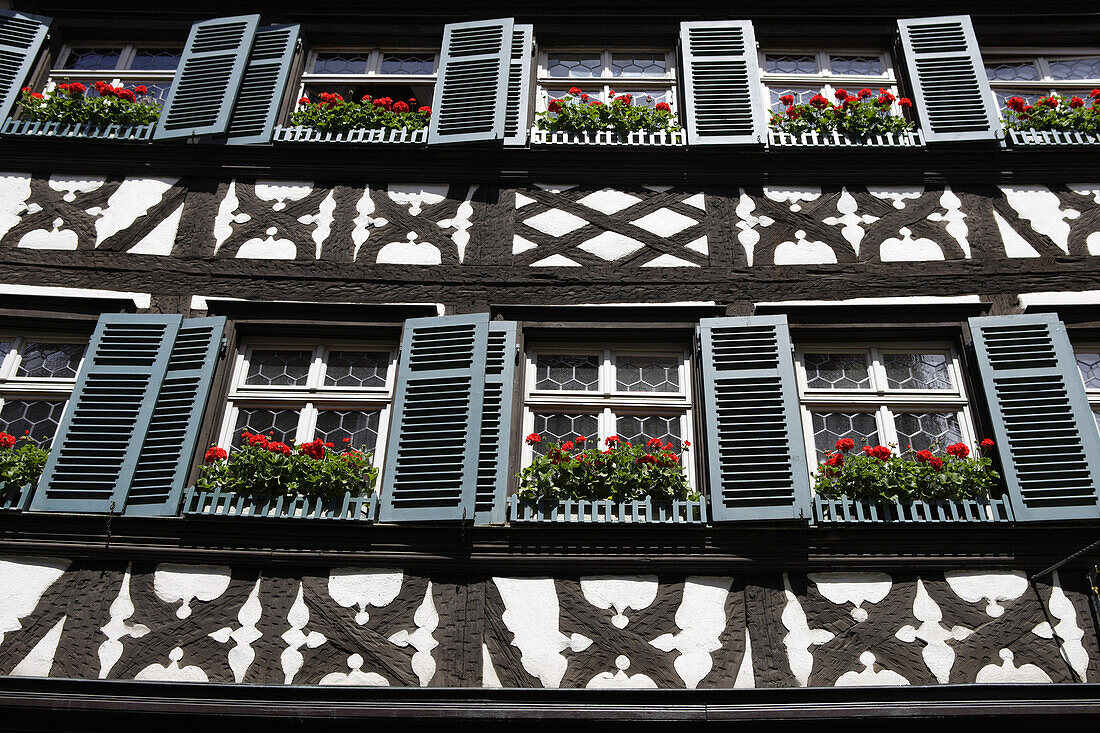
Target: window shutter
(209, 76)
(471, 89)
(493, 460)
(21, 38)
(519, 85)
(263, 86)
(947, 78)
(756, 460)
(432, 460)
(1050, 453)
(722, 93)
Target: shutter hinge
(223, 347)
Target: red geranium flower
(580, 439)
(596, 103)
(905, 102)
(987, 444)
(314, 448)
(141, 89)
(1016, 104)
(611, 440)
(258, 439)
(36, 95)
(277, 447)
(567, 445)
(400, 107)
(959, 450)
(845, 444)
(575, 90)
(935, 462)
(127, 94)
(787, 99)
(841, 93)
(365, 98)
(880, 452)
(555, 106)
(425, 110)
(303, 100)
(923, 456)
(6, 440)
(662, 107)
(214, 453)
(1076, 102)
(865, 93)
(1094, 94)
(819, 101)
(76, 89)
(383, 102)
(533, 439)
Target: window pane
(408, 63)
(50, 361)
(638, 64)
(357, 369)
(1089, 364)
(791, 63)
(575, 65)
(5, 347)
(801, 96)
(856, 65)
(158, 92)
(922, 430)
(593, 93)
(917, 371)
(1029, 97)
(647, 373)
(278, 367)
(156, 59)
(567, 372)
(1012, 71)
(1086, 68)
(638, 429)
(92, 59)
(340, 63)
(829, 427)
(280, 425)
(837, 371)
(40, 417)
(558, 428)
(357, 427)
(649, 97)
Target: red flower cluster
(787, 99)
(277, 447)
(924, 456)
(845, 444)
(314, 448)
(73, 89)
(555, 106)
(880, 452)
(400, 107)
(611, 440)
(7, 441)
(623, 99)
(425, 110)
(384, 103)
(662, 107)
(959, 450)
(104, 89)
(214, 453)
(987, 444)
(533, 439)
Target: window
(1088, 362)
(648, 75)
(906, 396)
(636, 394)
(802, 74)
(129, 65)
(1032, 77)
(298, 391)
(401, 74)
(37, 376)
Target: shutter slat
(209, 76)
(496, 424)
(263, 85)
(519, 85)
(1041, 416)
(722, 96)
(471, 90)
(21, 38)
(756, 462)
(948, 80)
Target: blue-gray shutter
(1042, 423)
(723, 101)
(471, 87)
(431, 464)
(21, 38)
(264, 85)
(519, 85)
(494, 452)
(947, 79)
(756, 456)
(208, 78)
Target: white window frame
(314, 395)
(879, 399)
(120, 75)
(373, 75)
(605, 81)
(825, 81)
(1046, 84)
(13, 387)
(1093, 393)
(607, 401)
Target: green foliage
(68, 104)
(858, 115)
(623, 472)
(577, 112)
(1054, 113)
(331, 113)
(21, 461)
(267, 468)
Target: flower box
(15, 497)
(32, 128)
(303, 134)
(836, 139)
(1038, 138)
(665, 138)
(607, 511)
(227, 504)
(850, 511)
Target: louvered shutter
(722, 94)
(471, 89)
(1044, 428)
(432, 458)
(263, 86)
(519, 85)
(948, 80)
(21, 38)
(756, 460)
(496, 424)
(208, 79)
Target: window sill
(1045, 138)
(850, 511)
(15, 498)
(911, 139)
(606, 511)
(31, 128)
(608, 137)
(228, 504)
(384, 136)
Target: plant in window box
(877, 473)
(21, 462)
(857, 115)
(577, 112)
(265, 467)
(69, 104)
(331, 113)
(1054, 113)
(621, 472)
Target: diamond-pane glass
(917, 371)
(829, 427)
(280, 425)
(1089, 365)
(357, 369)
(5, 347)
(1012, 71)
(801, 96)
(43, 360)
(649, 97)
(93, 59)
(1086, 68)
(837, 371)
(575, 65)
(156, 59)
(340, 63)
(278, 367)
(567, 372)
(349, 428)
(923, 430)
(790, 64)
(638, 64)
(558, 428)
(40, 417)
(408, 63)
(638, 429)
(647, 374)
(1003, 95)
(856, 65)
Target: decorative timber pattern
(384, 626)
